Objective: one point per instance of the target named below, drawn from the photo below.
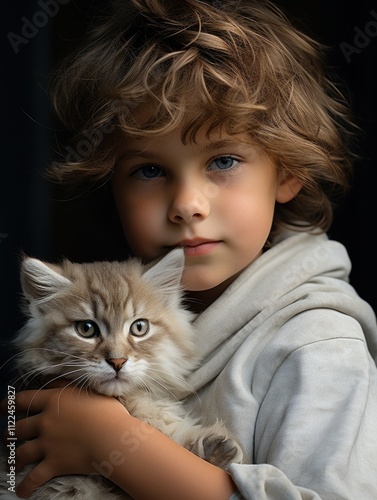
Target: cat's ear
(40, 281)
(166, 274)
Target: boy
(224, 137)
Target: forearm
(147, 464)
(74, 432)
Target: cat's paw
(219, 450)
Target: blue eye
(149, 172)
(223, 163)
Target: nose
(189, 203)
(116, 363)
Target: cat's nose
(116, 363)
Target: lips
(197, 247)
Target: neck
(198, 301)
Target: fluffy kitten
(118, 329)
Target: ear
(166, 274)
(40, 280)
(288, 188)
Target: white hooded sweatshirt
(289, 363)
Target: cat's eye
(139, 328)
(87, 328)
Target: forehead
(193, 118)
(204, 141)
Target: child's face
(215, 197)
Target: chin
(200, 284)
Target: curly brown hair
(199, 64)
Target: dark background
(35, 218)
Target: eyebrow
(207, 148)
(224, 143)
(140, 153)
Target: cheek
(141, 222)
(249, 212)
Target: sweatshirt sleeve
(315, 430)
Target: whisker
(32, 375)
(163, 386)
(54, 351)
(61, 392)
(85, 382)
(56, 378)
(25, 379)
(182, 381)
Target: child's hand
(75, 432)
(66, 428)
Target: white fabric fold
(287, 363)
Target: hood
(301, 271)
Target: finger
(28, 453)
(32, 401)
(34, 480)
(4, 406)
(27, 428)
